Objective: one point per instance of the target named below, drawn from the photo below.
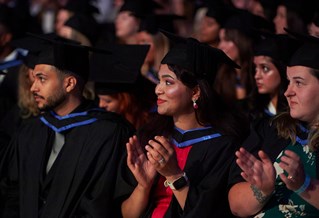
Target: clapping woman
(282, 179)
(190, 146)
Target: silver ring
(161, 160)
(290, 178)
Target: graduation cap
(202, 60)
(86, 25)
(140, 8)
(277, 46)
(10, 20)
(81, 6)
(304, 8)
(247, 23)
(308, 54)
(219, 11)
(315, 20)
(154, 22)
(119, 71)
(270, 8)
(5, 15)
(33, 47)
(62, 53)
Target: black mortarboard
(63, 53)
(270, 8)
(5, 15)
(30, 60)
(304, 8)
(15, 19)
(119, 71)
(86, 25)
(154, 22)
(11, 21)
(33, 47)
(247, 23)
(81, 6)
(277, 46)
(219, 11)
(200, 59)
(308, 54)
(140, 8)
(315, 20)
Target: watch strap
(177, 183)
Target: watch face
(180, 183)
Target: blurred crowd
(159, 108)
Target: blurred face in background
(257, 9)
(61, 17)
(242, 4)
(280, 20)
(267, 76)
(126, 25)
(228, 46)
(65, 32)
(109, 103)
(209, 30)
(313, 30)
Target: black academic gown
(81, 181)
(263, 136)
(207, 168)
(9, 91)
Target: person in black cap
(265, 8)
(128, 20)
(294, 15)
(236, 40)
(313, 27)
(119, 83)
(213, 21)
(64, 163)
(149, 33)
(25, 107)
(271, 55)
(83, 7)
(10, 59)
(279, 166)
(190, 145)
(80, 28)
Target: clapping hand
(163, 157)
(259, 173)
(292, 164)
(142, 169)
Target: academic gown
(207, 167)
(9, 91)
(263, 136)
(81, 181)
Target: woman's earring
(195, 106)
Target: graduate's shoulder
(110, 119)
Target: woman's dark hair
(226, 78)
(245, 49)
(212, 110)
(282, 103)
(295, 22)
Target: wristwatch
(178, 183)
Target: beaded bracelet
(304, 186)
